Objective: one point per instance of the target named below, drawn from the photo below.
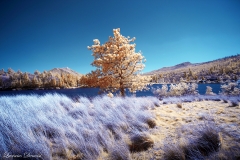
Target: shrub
(209, 91)
(140, 142)
(179, 105)
(161, 92)
(174, 153)
(234, 103)
(232, 153)
(230, 89)
(225, 101)
(176, 90)
(207, 141)
(110, 95)
(151, 123)
(183, 89)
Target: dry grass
(151, 123)
(140, 142)
(188, 122)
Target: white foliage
(163, 91)
(230, 89)
(209, 91)
(177, 89)
(110, 95)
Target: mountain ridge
(64, 70)
(221, 70)
(177, 66)
(188, 64)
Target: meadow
(54, 126)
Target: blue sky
(42, 35)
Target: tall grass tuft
(234, 103)
(140, 142)
(205, 140)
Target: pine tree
(35, 82)
(119, 64)
(1, 82)
(53, 82)
(10, 71)
(37, 73)
(2, 72)
(25, 80)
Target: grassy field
(205, 129)
(56, 127)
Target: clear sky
(42, 34)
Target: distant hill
(164, 69)
(227, 68)
(66, 70)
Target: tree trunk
(122, 92)
(122, 89)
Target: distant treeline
(16, 80)
(221, 70)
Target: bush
(225, 101)
(230, 89)
(176, 90)
(140, 142)
(174, 153)
(207, 141)
(151, 123)
(209, 91)
(234, 103)
(232, 153)
(179, 105)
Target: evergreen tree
(119, 64)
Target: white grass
(54, 126)
(192, 98)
